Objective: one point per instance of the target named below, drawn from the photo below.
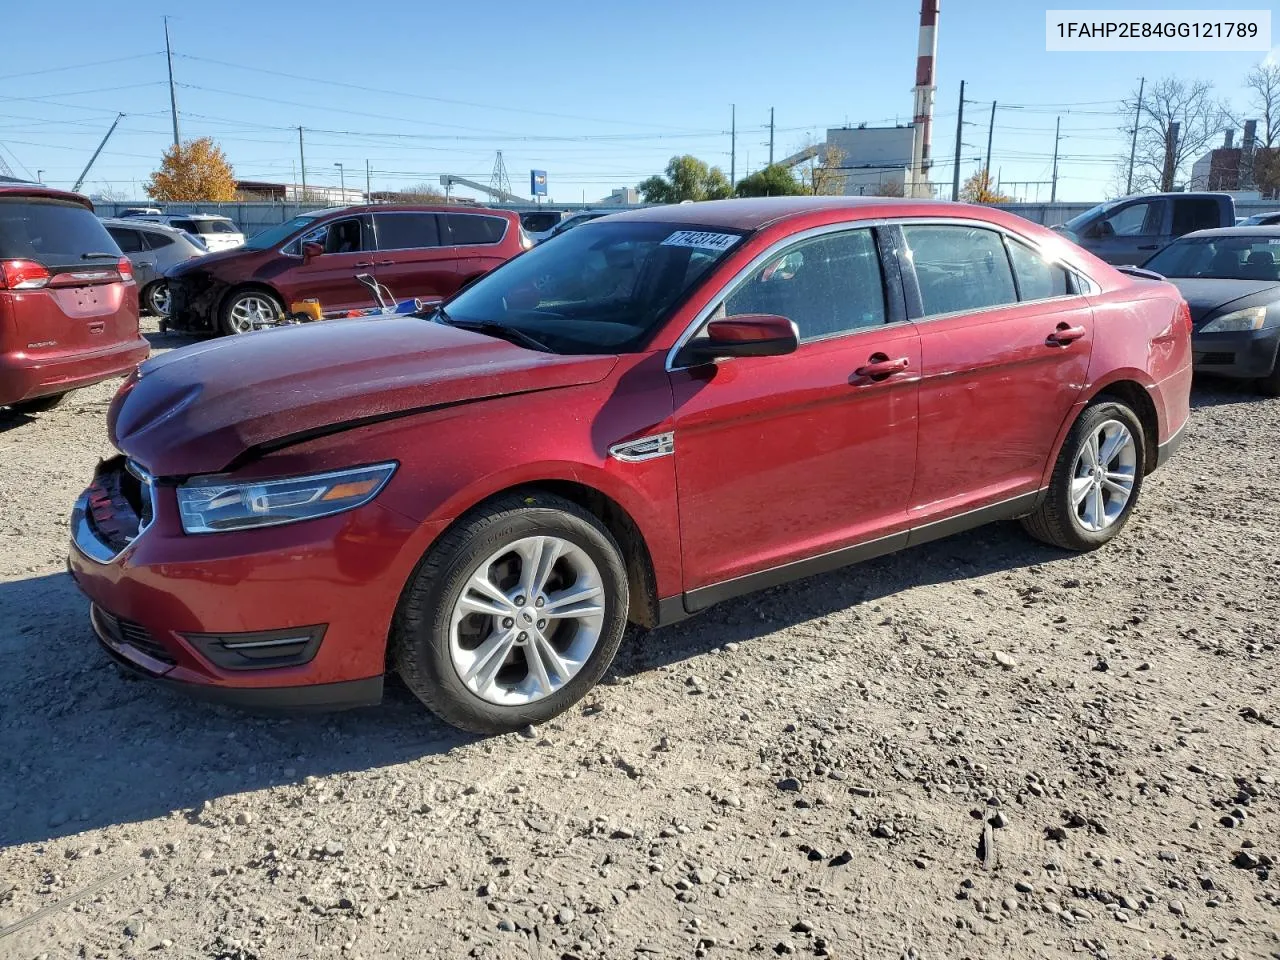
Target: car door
(1130, 233)
(347, 250)
(477, 243)
(133, 246)
(1005, 341)
(410, 260)
(785, 458)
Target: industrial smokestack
(1227, 139)
(1250, 134)
(924, 89)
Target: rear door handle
(879, 367)
(386, 263)
(1065, 334)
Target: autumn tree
(1159, 155)
(771, 181)
(420, 193)
(687, 178)
(193, 171)
(891, 188)
(826, 171)
(977, 189)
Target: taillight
(22, 275)
(126, 270)
(1184, 314)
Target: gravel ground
(978, 748)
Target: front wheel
(513, 615)
(1096, 480)
(249, 310)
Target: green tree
(687, 178)
(772, 181)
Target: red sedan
(647, 415)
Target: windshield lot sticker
(718, 242)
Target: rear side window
(1037, 278)
(157, 240)
(129, 241)
(468, 228)
(960, 268)
(51, 232)
(406, 231)
(1194, 213)
(827, 286)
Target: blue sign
(538, 183)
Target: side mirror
(311, 250)
(752, 335)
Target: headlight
(1250, 318)
(210, 505)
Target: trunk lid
(199, 409)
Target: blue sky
(598, 94)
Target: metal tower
(499, 180)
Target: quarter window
(156, 240)
(828, 285)
(406, 231)
(1037, 278)
(960, 268)
(469, 228)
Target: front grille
(1216, 359)
(133, 634)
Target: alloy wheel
(251, 312)
(527, 620)
(159, 300)
(1103, 479)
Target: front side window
(827, 286)
(467, 229)
(605, 288)
(340, 236)
(1137, 219)
(406, 231)
(960, 268)
(273, 235)
(1037, 278)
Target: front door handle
(363, 263)
(880, 367)
(1150, 246)
(1064, 335)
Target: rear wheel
(1096, 480)
(513, 615)
(38, 405)
(248, 310)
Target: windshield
(604, 288)
(278, 234)
(1220, 258)
(1081, 219)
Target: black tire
(420, 631)
(38, 404)
(1056, 521)
(226, 325)
(150, 293)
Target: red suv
(68, 301)
(654, 412)
(426, 252)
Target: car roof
(48, 193)
(757, 212)
(193, 216)
(133, 223)
(1265, 230)
(409, 208)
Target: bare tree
(1160, 156)
(826, 173)
(1263, 84)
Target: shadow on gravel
(989, 549)
(11, 420)
(1211, 391)
(171, 340)
(83, 744)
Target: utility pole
(771, 136)
(1133, 144)
(302, 163)
(39, 176)
(368, 189)
(991, 131)
(173, 97)
(733, 145)
(342, 175)
(955, 173)
(1057, 135)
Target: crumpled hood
(197, 409)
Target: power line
(79, 66)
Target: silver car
(153, 248)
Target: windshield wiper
(491, 329)
(99, 256)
